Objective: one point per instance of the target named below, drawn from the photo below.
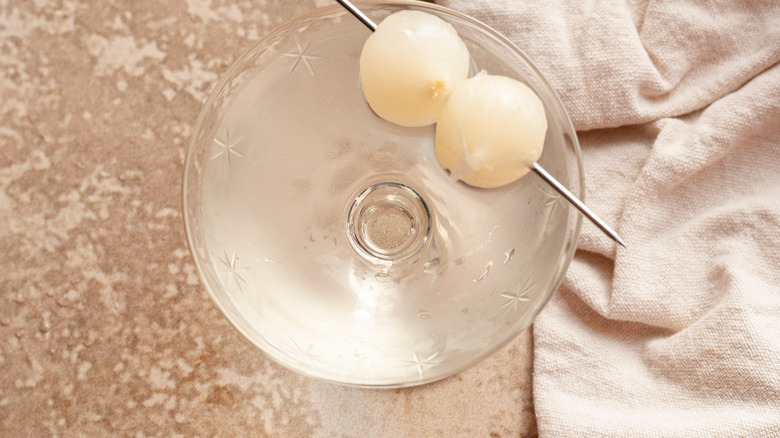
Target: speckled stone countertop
(105, 329)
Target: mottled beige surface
(104, 327)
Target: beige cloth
(678, 108)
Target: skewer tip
(577, 203)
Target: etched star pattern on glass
(422, 362)
(301, 56)
(512, 300)
(554, 200)
(334, 241)
(227, 147)
(232, 271)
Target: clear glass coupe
(334, 241)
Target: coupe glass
(334, 241)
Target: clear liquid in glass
(442, 269)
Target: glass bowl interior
(333, 240)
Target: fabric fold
(677, 106)
(618, 63)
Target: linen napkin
(677, 104)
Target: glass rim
(231, 72)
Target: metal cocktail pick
(536, 167)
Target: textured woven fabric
(677, 104)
